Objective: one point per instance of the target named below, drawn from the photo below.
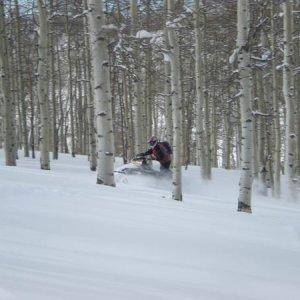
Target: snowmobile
(140, 165)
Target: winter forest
(118, 108)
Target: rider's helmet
(153, 141)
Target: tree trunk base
(47, 168)
(100, 181)
(244, 208)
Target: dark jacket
(161, 152)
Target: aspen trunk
(297, 87)
(91, 106)
(53, 88)
(85, 106)
(43, 84)
(21, 92)
(1, 117)
(288, 92)
(149, 98)
(167, 90)
(208, 150)
(200, 88)
(149, 78)
(255, 163)
(79, 107)
(138, 128)
(228, 136)
(102, 93)
(214, 144)
(243, 27)
(168, 103)
(176, 104)
(8, 103)
(60, 99)
(131, 114)
(70, 81)
(128, 114)
(238, 138)
(261, 136)
(266, 109)
(32, 112)
(275, 99)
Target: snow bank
(64, 237)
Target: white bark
(89, 93)
(176, 106)
(102, 93)
(297, 86)
(227, 138)
(276, 121)
(43, 84)
(8, 110)
(71, 94)
(288, 92)
(243, 27)
(261, 136)
(138, 128)
(200, 87)
(168, 103)
(167, 90)
(21, 92)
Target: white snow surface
(62, 236)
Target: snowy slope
(64, 237)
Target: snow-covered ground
(64, 237)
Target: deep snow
(64, 237)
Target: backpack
(163, 152)
(167, 147)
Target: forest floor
(62, 236)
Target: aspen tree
(228, 136)
(266, 105)
(53, 86)
(176, 102)
(243, 28)
(11, 45)
(255, 130)
(138, 129)
(275, 101)
(1, 116)
(238, 137)
(91, 106)
(199, 88)
(214, 146)
(43, 84)
(21, 92)
(1, 123)
(102, 94)
(202, 105)
(78, 101)
(60, 99)
(261, 135)
(8, 103)
(149, 78)
(297, 84)
(32, 112)
(167, 89)
(168, 101)
(128, 116)
(70, 75)
(288, 92)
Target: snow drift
(64, 237)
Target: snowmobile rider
(160, 151)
